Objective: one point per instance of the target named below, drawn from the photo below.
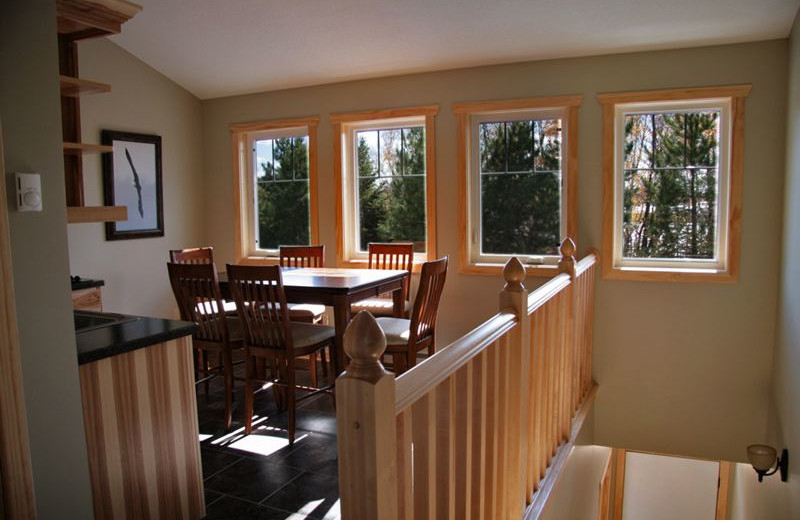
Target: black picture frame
(132, 178)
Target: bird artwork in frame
(132, 178)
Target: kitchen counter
(79, 283)
(136, 333)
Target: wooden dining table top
(333, 279)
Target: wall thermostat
(29, 192)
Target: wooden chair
(194, 255)
(199, 300)
(270, 335)
(199, 255)
(406, 337)
(388, 256)
(303, 256)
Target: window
(275, 172)
(518, 182)
(385, 180)
(673, 184)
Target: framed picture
(132, 178)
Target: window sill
(496, 269)
(669, 275)
(259, 260)
(362, 263)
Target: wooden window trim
(463, 112)
(239, 133)
(609, 101)
(339, 122)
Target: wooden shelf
(74, 87)
(82, 19)
(82, 148)
(79, 214)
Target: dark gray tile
(316, 452)
(229, 508)
(251, 479)
(312, 494)
(215, 461)
(211, 497)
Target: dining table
(338, 288)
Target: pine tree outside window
(520, 166)
(275, 170)
(385, 178)
(673, 184)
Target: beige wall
(143, 101)
(683, 368)
(786, 371)
(577, 493)
(750, 499)
(30, 113)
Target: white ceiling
(217, 48)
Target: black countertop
(79, 283)
(118, 338)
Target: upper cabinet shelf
(82, 19)
(82, 148)
(74, 87)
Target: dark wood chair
(193, 255)
(388, 256)
(269, 335)
(303, 256)
(199, 300)
(406, 337)
(199, 255)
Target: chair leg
(227, 369)
(248, 395)
(324, 360)
(204, 369)
(290, 400)
(400, 362)
(312, 369)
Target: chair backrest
(302, 256)
(261, 303)
(393, 256)
(426, 303)
(194, 255)
(197, 293)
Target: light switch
(29, 192)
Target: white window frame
(345, 149)
(252, 194)
(476, 256)
(713, 265)
(244, 169)
(352, 209)
(470, 115)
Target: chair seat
(234, 330)
(378, 306)
(397, 330)
(306, 336)
(305, 310)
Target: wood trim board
(15, 458)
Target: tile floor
(259, 476)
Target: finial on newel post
(567, 262)
(364, 344)
(514, 274)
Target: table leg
(341, 317)
(399, 303)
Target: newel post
(514, 299)
(571, 356)
(365, 422)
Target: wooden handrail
(482, 428)
(423, 377)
